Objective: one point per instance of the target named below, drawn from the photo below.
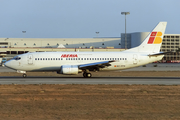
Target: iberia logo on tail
(155, 38)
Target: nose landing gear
(24, 75)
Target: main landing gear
(87, 74)
(24, 75)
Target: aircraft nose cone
(7, 64)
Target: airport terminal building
(60, 42)
(171, 42)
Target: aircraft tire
(88, 75)
(24, 75)
(84, 74)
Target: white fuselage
(52, 61)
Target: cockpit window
(17, 58)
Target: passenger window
(107, 58)
(123, 59)
(102, 58)
(40, 58)
(53, 58)
(73, 58)
(92, 58)
(81, 58)
(78, 58)
(61, 58)
(84, 58)
(66, 58)
(97, 58)
(87, 58)
(35, 58)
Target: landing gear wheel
(24, 75)
(84, 74)
(87, 75)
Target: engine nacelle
(69, 70)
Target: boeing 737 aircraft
(72, 63)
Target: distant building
(60, 42)
(133, 39)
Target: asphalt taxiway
(95, 80)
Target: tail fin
(153, 41)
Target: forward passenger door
(30, 59)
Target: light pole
(97, 34)
(24, 33)
(125, 13)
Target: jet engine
(69, 70)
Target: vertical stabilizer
(153, 41)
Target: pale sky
(82, 18)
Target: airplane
(72, 63)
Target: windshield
(17, 58)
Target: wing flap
(96, 64)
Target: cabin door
(135, 59)
(30, 59)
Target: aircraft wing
(96, 65)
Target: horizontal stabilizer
(157, 54)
